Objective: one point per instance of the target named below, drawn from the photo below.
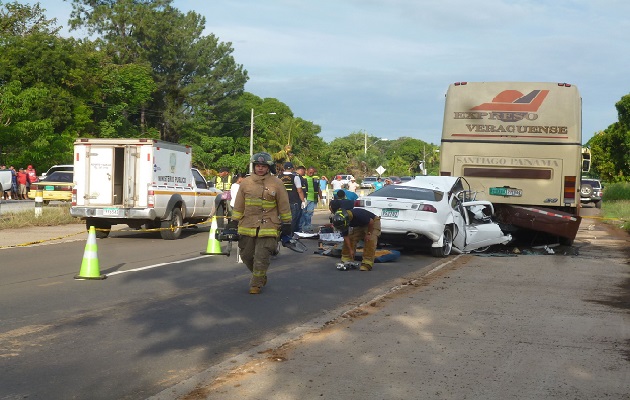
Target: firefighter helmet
(264, 159)
(340, 220)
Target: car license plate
(110, 211)
(503, 191)
(389, 213)
(49, 188)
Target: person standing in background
(353, 185)
(293, 184)
(313, 195)
(336, 183)
(22, 179)
(323, 187)
(238, 178)
(222, 201)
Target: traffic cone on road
(89, 266)
(214, 245)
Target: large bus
(519, 144)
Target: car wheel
(447, 244)
(586, 190)
(172, 228)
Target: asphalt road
(163, 314)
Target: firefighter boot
(254, 290)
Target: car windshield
(368, 179)
(408, 192)
(58, 177)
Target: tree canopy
(148, 70)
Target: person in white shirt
(336, 184)
(353, 185)
(236, 183)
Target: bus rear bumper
(539, 219)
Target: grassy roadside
(617, 213)
(51, 216)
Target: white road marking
(156, 265)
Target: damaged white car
(435, 210)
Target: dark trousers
(296, 216)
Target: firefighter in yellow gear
(262, 212)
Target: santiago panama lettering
(173, 179)
(506, 161)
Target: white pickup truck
(5, 180)
(138, 182)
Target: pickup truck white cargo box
(138, 182)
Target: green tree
(611, 147)
(22, 20)
(198, 81)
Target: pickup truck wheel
(598, 204)
(100, 234)
(447, 244)
(586, 190)
(172, 229)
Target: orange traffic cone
(214, 245)
(89, 266)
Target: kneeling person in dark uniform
(355, 225)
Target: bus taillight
(570, 189)
(151, 199)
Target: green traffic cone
(89, 266)
(214, 245)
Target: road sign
(380, 170)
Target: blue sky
(383, 66)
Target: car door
(459, 221)
(204, 199)
(481, 231)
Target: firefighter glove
(303, 204)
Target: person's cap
(21, 169)
(30, 166)
(353, 179)
(224, 169)
(288, 165)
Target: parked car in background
(591, 191)
(368, 182)
(55, 186)
(406, 178)
(439, 211)
(54, 168)
(395, 179)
